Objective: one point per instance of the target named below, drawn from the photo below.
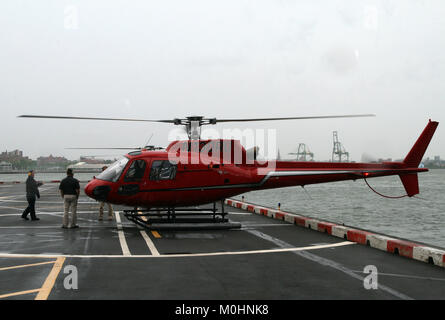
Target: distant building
(434, 163)
(91, 160)
(87, 167)
(51, 161)
(15, 153)
(12, 155)
(5, 166)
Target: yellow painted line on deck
(50, 280)
(27, 265)
(156, 234)
(18, 293)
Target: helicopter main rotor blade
(212, 121)
(91, 118)
(297, 118)
(193, 124)
(138, 148)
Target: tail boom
(303, 173)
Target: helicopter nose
(89, 189)
(97, 191)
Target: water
(421, 218)
(9, 177)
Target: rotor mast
(193, 125)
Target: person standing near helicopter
(102, 205)
(32, 191)
(70, 190)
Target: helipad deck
(265, 259)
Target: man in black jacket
(32, 191)
(70, 190)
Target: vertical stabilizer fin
(414, 157)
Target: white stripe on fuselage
(306, 173)
(313, 172)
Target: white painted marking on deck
(52, 226)
(209, 254)
(327, 262)
(403, 276)
(251, 225)
(37, 212)
(150, 243)
(122, 240)
(46, 202)
(241, 213)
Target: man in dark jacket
(32, 191)
(70, 190)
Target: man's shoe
(25, 218)
(74, 227)
(64, 227)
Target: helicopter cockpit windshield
(113, 172)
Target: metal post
(214, 210)
(222, 209)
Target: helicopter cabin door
(133, 179)
(161, 179)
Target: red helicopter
(195, 172)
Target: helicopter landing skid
(181, 218)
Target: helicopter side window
(136, 171)
(162, 170)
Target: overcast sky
(227, 59)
